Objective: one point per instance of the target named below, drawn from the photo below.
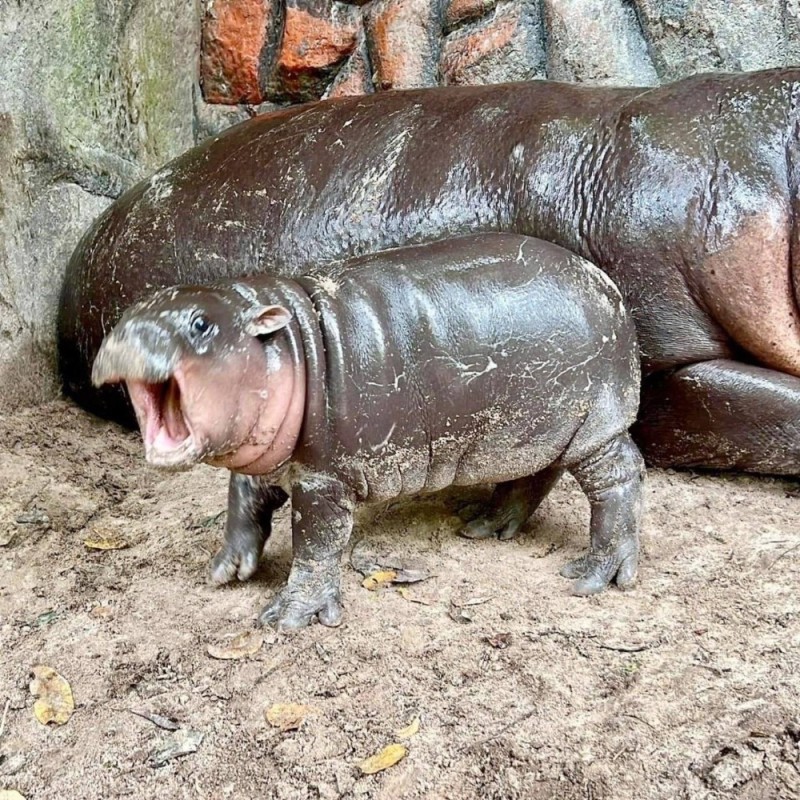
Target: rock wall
(96, 94)
(299, 50)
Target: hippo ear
(267, 319)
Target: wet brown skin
(685, 194)
(483, 359)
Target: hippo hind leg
(512, 503)
(721, 414)
(251, 504)
(612, 478)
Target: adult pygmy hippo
(686, 195)
(476, 360)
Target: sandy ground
(687, 687)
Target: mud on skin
(685, 194)
(484, 359)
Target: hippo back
(430, 352)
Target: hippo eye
(200, 324)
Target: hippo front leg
(251, 504)
(322, 520)
(612, 478)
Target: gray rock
(42, 220)
(94, 95)
(211, 119)
(507, 45)
(596, 41)
(403, 42)
(718, 35)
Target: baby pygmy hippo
(485, 359)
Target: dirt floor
(687, 687)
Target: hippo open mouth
(168, 437)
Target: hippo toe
(232, 562)
(312, 591)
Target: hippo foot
(312, 591)
(504, 523)
(513, 502)
(236, 559)
(594, 571)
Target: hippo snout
(138, 350)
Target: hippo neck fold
(304, 341)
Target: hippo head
(207, 379)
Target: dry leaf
(540, 549)
(181, 743)
(363, 560)
(406, 595)
(366, 562)
(322, 653)
(162, 722)
(55, 703)
(33, 516)
(102, 612)
(287, 716)
(473, 601)
(387, 757)
(411, 575)
(245, 644)
(378, 580)
(10, 794)
(409, 731)
(106, 543)
(47, 618)
(458, 614)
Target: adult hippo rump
(483, 359)
(686, 195)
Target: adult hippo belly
(686, 195)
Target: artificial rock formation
(411, 43)
(94, 95)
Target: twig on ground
(570, 637)
(720, 673)
(628, 648)
(784, 553)
(5, 715)
(157, 719)
(639, 719)
(497, 734)
(578, 636)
